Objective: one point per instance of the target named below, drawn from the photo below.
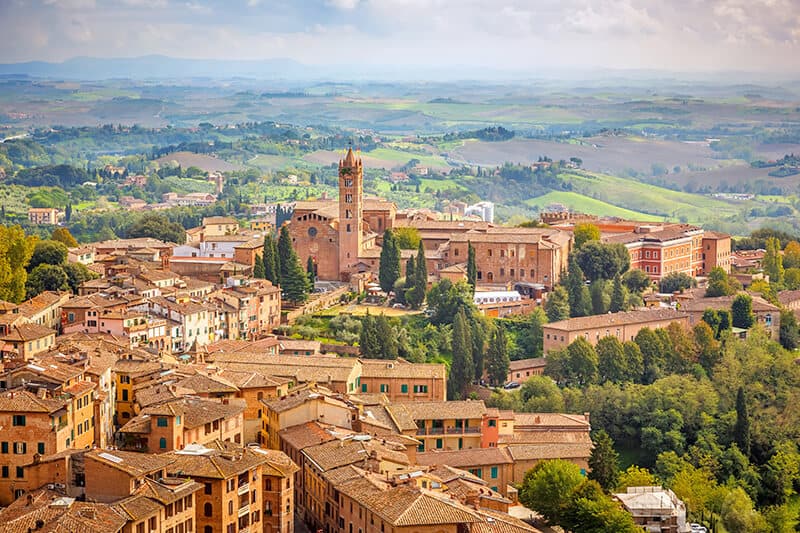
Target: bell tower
(351, 212)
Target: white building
(484, 210)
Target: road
(20, 136)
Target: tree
(157, 226)
(708, 347)
(310, 271)
(389, 269)
(789, 334)
(635, 476)
(368, 342)
(580, 301)
(791, 278)
(46, 278)
(407, 237)
(574, 367)
(419, 282)
(472, 268)
(462, 368)
(478, 337)
(738, 514)
(548, 486)
(652, 354)
(617, 295)
(64, 236)
(445, 299)
(540, 394)
(557, 305)
(497, 361)
(741, 431)
(611, 360)
(602, 261)
(386, 338)
(258, 267)
(584, 232)
(742, 311)
(636, 280)
(48, 253)
(589, 509)
(634, 361)
(77, 273)
(676, 281)
(791, 255)
(719, 284)
(16, 250)
(782, 472)
(530, 337)
(601, 301)
(773, 261)
(294, 280)
(68, 213)
(604, 461)
(270, 260)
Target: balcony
(244, 488)
(244, 510)
(461, 431)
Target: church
(343, 238)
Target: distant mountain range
(155, 66)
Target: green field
(271, 162)
(585, 204)
(402, 156)
(651, 199)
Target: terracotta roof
(528, 452)
(168, 489)
(352, 451)
(497, 522)
(787, 297)
(52, 370)
(51, 512)
(301, 368)
(534, 362)
(136, 464)
(308, 434)
(27, 332)
(443, 410)
(616, 319)
(25, 402)
(137, 507)
(465, 458)
(401, 416)
(205, 384)
(195, 411)
(551, 420)
(199, 461)
(295, 399)
(41, 301)
(402, 369)
(725, 302)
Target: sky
(517, 35)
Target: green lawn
(270, 162)
(403, 156)
(585, 204)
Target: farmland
(201, 161)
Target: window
(364, 387)
(18, 420)
(20, 472)
(494, 472)
(492, 423)
(162, 443)
(208, 529)
(230, 507)
(384, 387)
(207, 509)
(40, 448)
(439, 444)
(124, 395)
(403, 389)
(5, 471)
(20, 448)
(4, 447)
(162, 422)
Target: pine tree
(472, 268)
(741, 430)
(258, 267)
(497, 361)
(310, 271)
(617, 296)
(389, 270)
(604, 461)
(270, 260)
(462, 368)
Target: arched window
(208, 529)
(207, 509)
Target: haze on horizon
(527, 36)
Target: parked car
(398, 306)
(511, 385)
(697, 528)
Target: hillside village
(163, 395)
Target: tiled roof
(25, 402)
(136, 464)
(402, 369)
(350, 451)
(27, 332)
(305, 435)
(615, 319)
(725, 302)
(497, 522)
(295, 399)
(169, 489)
(401, 416)
(51, 512)
(278, 463)
(528, 452)
(465, 458)
(137, 507)
(304, 369)
(41, 301)
(157, 394)
(551, 421)
(441, 410)
(196, 411)
(214, 464)
(250, 379)
(787, 297)
(205, 384)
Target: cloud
(71, 4)
(343, 4)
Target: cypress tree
(310, 271)
(741, 430)
(617, 295)
(368, 338)
(580, 301)
(258, 267)
(478, 336)
(270, 260)
(604, 461)
(462, 368)
(420, 281)
(385, 338)
(294, 280)
(472, 268)
(389, 270)
(497, 361)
